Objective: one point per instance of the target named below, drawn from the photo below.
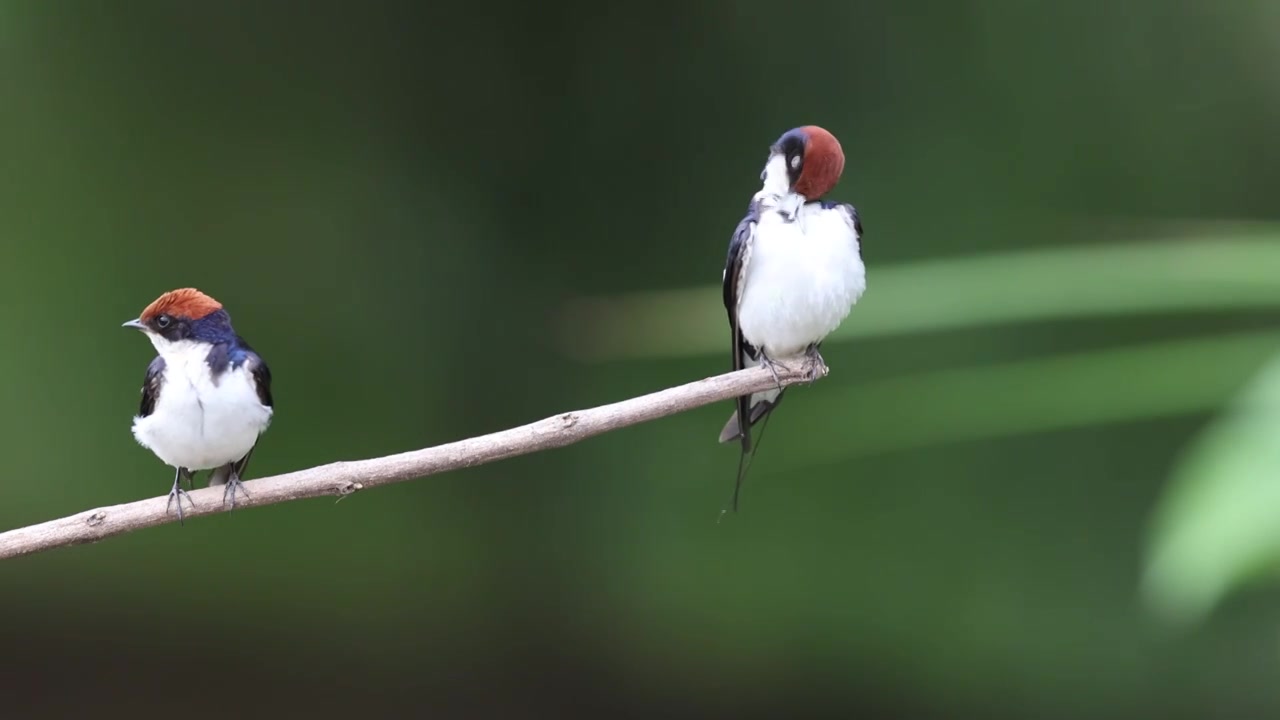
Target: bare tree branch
(345, 478)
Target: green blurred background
(1042, 479)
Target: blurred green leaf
(1221, 266)
(1025, 396)
(1218, 524)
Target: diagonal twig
(344, 478)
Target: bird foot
(814, 366)
(229, 493)
(178, 494)
(772, 367)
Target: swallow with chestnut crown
(206, 397)
(793, 273)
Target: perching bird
(794, 270)
(206, 397)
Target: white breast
(802, 279)
(199, 424)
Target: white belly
(799, 284)
(199, 425)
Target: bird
(793, 272)
(206, 397)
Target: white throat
(177, 350)
(775, 178)
(776, 193)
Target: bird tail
(220, 475)
(733, 431)
(755, 408)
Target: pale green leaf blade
(1218, 524)
(1222, 267)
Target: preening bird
(206, 397)
(793, 273)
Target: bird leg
(177, 493)
(233, 485)
(815, 363)
(772, 367)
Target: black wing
(739, 256)
(262, 380)
(739, 251)
(244, 355)
(151, 386)
(241, 355)
(750, 409)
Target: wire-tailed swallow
(794, 269)
(207, 395)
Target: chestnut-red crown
(823, 163)
(187, 303)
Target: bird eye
(795, 162)
(163, 321)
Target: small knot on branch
(95, 519)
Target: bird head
(181, 315)
(805, 161)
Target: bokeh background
(1042, 479)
